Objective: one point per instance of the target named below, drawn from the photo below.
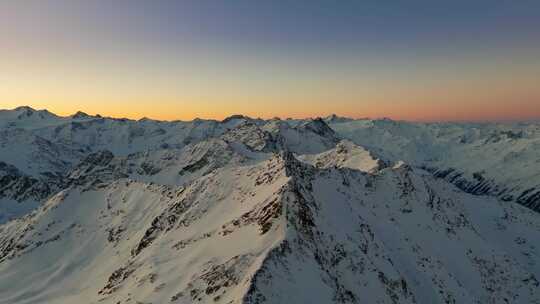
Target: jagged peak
(246, 130)
(318, 126)
(383, 121)
(293, 166)
(27, 111)
(80, 115)
(145, 119)
(333, 118)
(24, 108)
(236, 117)
(346, 154)
(277, 124)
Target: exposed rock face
(251, 135)
(97, 168)
(318, 126)
(477, 184)
(20, 187)
(20, 193)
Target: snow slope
(164, 237)
(279, 231)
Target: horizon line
(378, 118)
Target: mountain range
(326, 210)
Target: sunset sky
(164, 59)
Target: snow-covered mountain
(499, 159)
(262, 211)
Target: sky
(164, 59)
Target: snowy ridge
(274, 232)
(497, 159)
(346, 155)
(46, 148)
(253, 211)
(147, 229)
(343, 249)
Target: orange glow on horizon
(511, 111)
(190, 87)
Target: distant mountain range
(326, 210)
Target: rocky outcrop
(477, 184)
(20, 187)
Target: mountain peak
(80, 115)
(25, 108)
(318, 126)
(235, 117)
(346, 155)
(333, 118)
(27, 112)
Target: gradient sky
(414, 60)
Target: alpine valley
(327, 210)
